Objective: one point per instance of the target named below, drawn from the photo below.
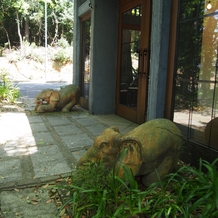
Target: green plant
(62, 42)
(28, 51)
(62, 57)
(64, 54)
(204, 192)
(131, 199)
(99, 192)
(88, 191)
(187, 193)
(8, 91)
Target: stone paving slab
(37, 149)
(10, 171)
(27, 203)
(47, 145)
(68, 130)
(48, 160)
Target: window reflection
(196, 101)
(131, 21)
(86, 36)
(80, 2)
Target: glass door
(133, 60)
(85, 59)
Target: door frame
(138, 115)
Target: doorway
(85, 35)
(133, 60)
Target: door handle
(144, 68)
(139, 61)
(141, 64)
(145, 51)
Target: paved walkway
(38, 148)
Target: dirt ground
(26, 69)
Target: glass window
(196, 73)
(81, 2)
(86, 37)
(131, 33)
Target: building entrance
(133, 60)
(85, 25)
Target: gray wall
(104, 57)
(104, 26)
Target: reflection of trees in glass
(135, 39)
(187, 69)
(85, 62)
(131, 25)
(191, 8)
(126, 65)
(81, 2)
(130, 53)
(208, 57)
(188, 62)
(86, 49)
(196, 53)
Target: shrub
(64, 52)
(62, 57)
(188, 193)
(62, 42)
(29, 51)
(97, 192)
(8, 91)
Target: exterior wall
(103, 72)
(104, 28)
(104, 24)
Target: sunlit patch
(16, 148)
(16, 135)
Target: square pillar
(160, 28)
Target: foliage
(8, 91)
(97, 192)
(187, 193)
(105, 194)
(29, 51)
(28, 18)
(64, 55)
(63, 43)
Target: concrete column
(159, 57)
(104, 27)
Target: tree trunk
(27, 32)
(18, 30)
(6, 32)
(56, 28)
(38, 35)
